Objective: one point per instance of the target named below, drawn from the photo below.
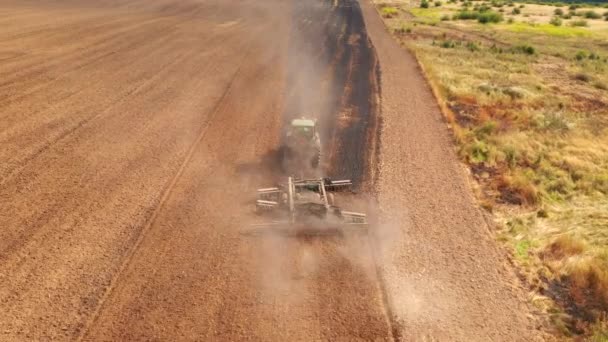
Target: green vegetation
(525, 49)
(531, 121)
(556, 21)
(592, 15)
(547, 29)
(579, 23)
(483, 17)
(389, 12)
(427, 15)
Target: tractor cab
(304, 128)
(302, 149)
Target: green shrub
(558, 11)
(510, 21)
(516, 11)
(574, 7)
(482, 8)
(403, 30)
(389, 12)
(466, 15)
(445, 17)
(556, 21)
(489, 17)
(567, 16)
(592, 15)
(578, 23)
(471, 46)
(424, 4)
(525, 49)
(437, 3)
(447, 44)
(522, 6)
(580, 55)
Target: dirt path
(445, 277)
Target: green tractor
(302, 150)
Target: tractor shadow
(306, 234)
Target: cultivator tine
(300, 199)
(269, 224)
(350, 217)
(268, 194)
(337, 185)
(266, 205)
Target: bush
(437, 3)
(516, 11)
(389, 12)
(592, 15)
(559, 11)
(472, 47)
(403, 30)
(482, 8)
(447, 44)
(518, 189)
(466, 15)
(489, 17)
(424, 4)
(573, 7)
(580, 55)
(567, 16)
(525, 49)
(445, 17)
(522, 6)
(579, 23)
(556, 21)
(510, 21)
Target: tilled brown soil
(133, 134)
